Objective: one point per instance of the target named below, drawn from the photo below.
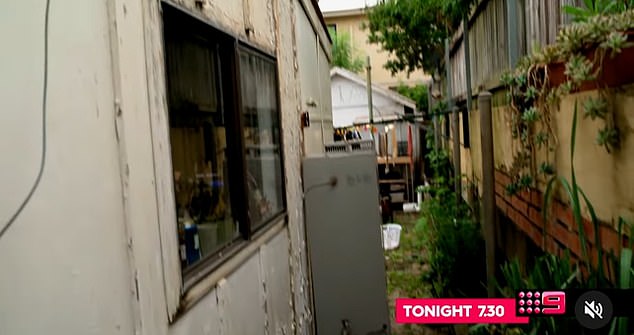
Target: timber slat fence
(536, 25)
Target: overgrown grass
(405, 266)
(455, 249)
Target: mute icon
(593, 309)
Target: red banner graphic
(458, 311)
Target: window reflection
(261, 137)
(199, 142)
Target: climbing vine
(534, 91)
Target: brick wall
(525, 211)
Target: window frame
(252, 50)
(230, 102)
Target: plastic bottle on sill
(192, 242)
(182, 248)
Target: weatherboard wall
(95, 249)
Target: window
(261, 137)
(225, 141)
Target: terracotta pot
(617, 71)
(556, 74)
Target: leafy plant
(417, 93)
(575, 193)
(579, 69)
(596, 278)
(592, 8)
(615, 42)
(485, 329)
(625, 276)
(530, 115)
(608, 137)
(344, 55)
(549, 271)
(546, 169)
(414, 31)
(531, 95)
(541, 139)
(595, 108)
(454, 247)
(452, 237)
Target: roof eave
(405, 101)
(346, 12)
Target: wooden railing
(350, 146)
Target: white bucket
(410, 207)
(391, 236)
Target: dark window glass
(222, 102)
(199, 142)
(261, 133)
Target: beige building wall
(350, 21)
(605, 178)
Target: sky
(335, 5)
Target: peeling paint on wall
(127, 257)
(123, 157)
(64, 264)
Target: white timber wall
(64, 264)
(350, 102)
(95, 250)
(314, 80)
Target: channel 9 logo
(540, 303)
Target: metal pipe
(368, 69)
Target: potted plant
(606, 43)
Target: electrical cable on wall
(332, 183)
(26, 200)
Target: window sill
(198, 287)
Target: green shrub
(454, 247)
